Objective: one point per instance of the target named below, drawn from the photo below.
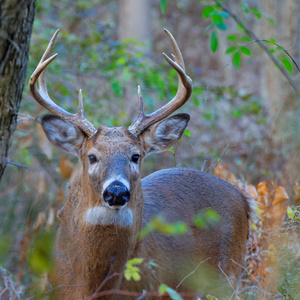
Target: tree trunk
(134, 20)
(16, 20)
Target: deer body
(108, 203)
(87, 254)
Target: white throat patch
(101, 215)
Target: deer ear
(163, 135)
(62, 133)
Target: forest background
(244, 119)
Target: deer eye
(92, 158)
(135, 158)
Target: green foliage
(163, 288)
(293, 213)
(40, 253)
(187, 133)
(213, 41)
(207, 218)
(24, 156)
(131, 271)
(163, 6)
(160, 225)
(286, 62)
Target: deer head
(111, 157)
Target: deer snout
(116, 194)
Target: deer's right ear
(62, 133)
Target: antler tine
(178, 56)
(42, 97)
(183, 92)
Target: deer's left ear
(163, 135)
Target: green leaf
(256, 12)
(163, 6)
(187, 133)
(246, 51)
(173, 294)
(131, 271)
(135, 261)
(117, 88)
(207, 218)
(213, 41)
(236, 60)
(136, 276)
(224, 14)
(237, 113)
(221, 26)
(231, 49)
(271, 21)
(207, 11)
(246, 39)
(207, 116)
(163, 288)
(245, 6)
(290, 212)
(171, 149)
(232, 38)
(287, 64)
(216, 19)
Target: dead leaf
(262, 188)
(280, 195)
(297, 194)
(252, 192)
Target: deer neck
(94, 251)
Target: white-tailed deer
(108, 203)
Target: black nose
(116, 194)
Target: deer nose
(116, 194)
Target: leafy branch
(262, 45)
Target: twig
(27, 117)
(3, 291)
(185, 277)
(15, 164)
(217, 160)
(204, 163)
(142, 296)
(56, 287)
(185, 295)
(174, 154)
(102, 284)
(219, 266)
(249, 274)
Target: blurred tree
(16, 19)
(134, 20)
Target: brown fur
(87, 254)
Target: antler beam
(183, 93)
(41, 94)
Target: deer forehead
(116, 140)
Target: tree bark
(16, 20)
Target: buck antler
(42, 97)
(183, 93)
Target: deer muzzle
(116, 194)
